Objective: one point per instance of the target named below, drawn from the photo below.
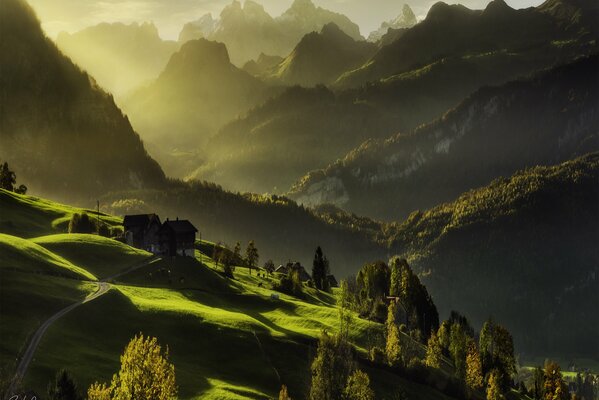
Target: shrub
(290, 284)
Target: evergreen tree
(320, 270)
(358, 387)
(497, 352)
(283, 394)
(145, 374)
(538, 383)
(474, 368)
(393, 348)
(269, 267)
(554, 387)
(63, 387)
(237, 253)
(433, 351)
(8, 180)
(457, 349)
(494, 391)
(251, 256)
(443, 335)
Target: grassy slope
(29, 216)
(27, 256)
(228, 338)
(99, 255)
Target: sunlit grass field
(228, 338)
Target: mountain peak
(442, 10)
(198, 54)
(498, 7)
(302, 5)
(331, 29)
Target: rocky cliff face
(406, 19)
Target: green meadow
(228, 338)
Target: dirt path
(103, 288)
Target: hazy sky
(170, 15)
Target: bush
(228, 270)
(377, 355)
(80, 223)
(290, 284)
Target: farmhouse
(141, 231)
(177, 238)
(145, 231)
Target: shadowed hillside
(319, 58)
(523, 249)
(62, 133)
(457, 30)
(548, 118)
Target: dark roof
(180, 226)
(141, 220)
(332, 280)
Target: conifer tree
(63, 387)
(474, 369)
(554, 387)
(433, 351)
(393, 348)
(251, 256)
(494, 391)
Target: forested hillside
(543, 119)
(522, 250)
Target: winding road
(103, 288)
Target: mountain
(120, 57)
(262, 66)
(198, 91)
(60, 132)
(276, 147)
(547, 118)
(320, 58)
(456, 30)
(269, 148)
(407, 19)
(522, 249)
(198, 29)
(248, 30)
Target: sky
(170, 15)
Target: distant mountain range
(548, 118)
(248, 30)
(456, 30)
(62, 134)
(120, 57)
